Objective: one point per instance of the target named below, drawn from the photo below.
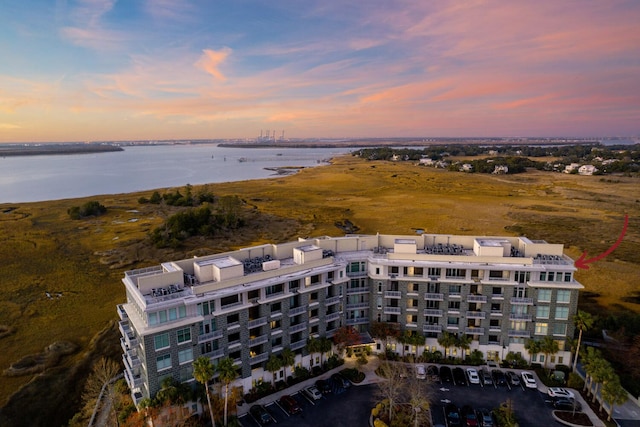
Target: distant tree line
(178, 199)
(88, 209)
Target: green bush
(88, 209)
(575, 381)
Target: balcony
(256, 322)
(215, 354)
(392, 310)
(332, 316)
(258, 340)
(297, 328)
(475, 314)
(393, 294)
(455, 295)
(477, 298)
(434, 297)
(520, 316)
(298, 345)
(473, 330)
(209, 336)
(332, 300)
(357, 305)
(358, 290)
(497, 296)
(496, 312)
(432, 312)
(297, 310)
(134, 381)
(121, 313)
(358, 321)
(259, 358)
(521, 301)
(519, 334)
(133, 361)
(432, 328)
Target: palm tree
(590, 362)
(582, 321)
(227, 373)
(548, 346)
(203, 371)
(533, 347)
(614, 394)
(274, 364)
(463, 342)
(313, 346)
(447, 340)
(288, 359)
(404, 338)
(602, 374)
(324, 345)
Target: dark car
(565, 404)
(260, 414)
(432, 373)
(323, 386)
(485, 417)
(459, 377)
(341, 381)
(499, 377)
(453, 415)
(445, 374)
(513, 378)
(290, 404)
(485, 377)
(469, 417)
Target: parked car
(565, 404)
(323, 386)
(432, 372)
(485, 377)
(459, 377)
(472, 374)
(529, 380)
(499, 377)
(421, 372)
(290, 404)
(453, 415)
(560, 392)
(312, 393)
(445, 374)
(513, 378)
(260, 414)
(485, 417)
(341, 381)
(469, 417)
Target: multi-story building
(254, 302)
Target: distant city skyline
(158, 70)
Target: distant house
(501, 170)
(427, 161)
(466, 167)
(572, 167)
(587, 170)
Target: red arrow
(584, 263)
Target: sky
(99, 70)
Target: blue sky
(161, 69)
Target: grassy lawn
(80, 263)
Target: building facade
(254, 302)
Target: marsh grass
(43, 250)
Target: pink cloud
(211, 60)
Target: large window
(455, 289)
(563, 296)
(542, 312)
(542, 328)
(560, 329)
(230, 300)
(165, 316)
(185, 355)
(161, 341)
(163, 362)
(433, 272)
(183, 335)
(562, 313)
(544, 295)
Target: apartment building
(254, 302)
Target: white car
(421, 372)
(472, 374)
(560, 392)
(313, 393)
(529, 380)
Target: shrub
(362, 359)
(88, 209)
(575, 381)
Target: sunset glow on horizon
(161, 69)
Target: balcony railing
(434, 297)
(474, 331)
(298, 344)
(521, 301)
(332, 316)
(215, 354)
(332, 300)
(497, 296)
(392, 310)
(519, 334)
(519, 316)
(432, 312)
(475, 314)
(477, 298)
(297, 328)
(297, 310)
(256, 322)
(393, 294)
(121, 313)
(209, 336)
(259, 358)
(258, 340)
(496, 312)
(432, 328)
(358, 321)
(358, 290)
(358, 305)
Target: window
(206, 307)
(551, 276)
(230, 300)
(185, 355)
(275, 324)
(276, 307)
(455, 272)
(393, 270)
(560, 329)
(544, 295)
(562, 313)
(542, 312)
(494, 323)
(276, 342)
(433, 272)
(413, 303)
(542, 328)
(496, 290)
(184, 335)
(161, 341)
(543, 276)
(453, 321)
(233, 318)
(163, 362)
(275, 289)
(567, 277)
(377, 271)
(563, 296)
(412, 318)
(454, 289)
(418, 271)
(294, 284)
(234, 337)
(313, 313)
(313, 297)
(315, 279)
(495, 274)
(523, 276)
(454, 305)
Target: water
(38, 178)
